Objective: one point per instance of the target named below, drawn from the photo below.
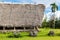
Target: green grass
(42, 35)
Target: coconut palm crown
(54, 7)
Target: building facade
(21, 14)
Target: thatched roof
(21, 14)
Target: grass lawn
(42, 35)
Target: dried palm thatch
(21, 14)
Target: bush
(15, 35)
(33, 33)
(51, 33)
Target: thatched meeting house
(19, 17)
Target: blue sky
(45, 2)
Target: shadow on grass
(14, 36)
(58, 34)
(22, 36)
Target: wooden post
(34, 27)
(14, 29)
(24, 29)
(3, 28)
(37, 28)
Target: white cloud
(57, 2)
(45, 2)
(49, 14)
(57, 14)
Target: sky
(45, 2)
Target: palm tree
(54, 8)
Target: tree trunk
(54, 21)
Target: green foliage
(51, 33)
(57, 24)
(45, 24)
(50, 23)
(14, 35)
